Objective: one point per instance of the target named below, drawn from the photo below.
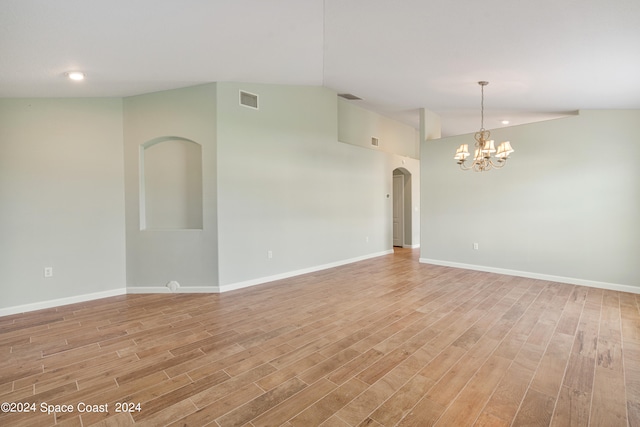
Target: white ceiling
(543, 58)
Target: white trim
(60, 301)
(261, 280)
(411, 246)
(540, 276)
(166, 290)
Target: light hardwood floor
(382, 342)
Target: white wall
(286, 185)
(156, 257)
(566, 206)
(61, 201)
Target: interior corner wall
(291, 198)
(566, 205)
(430, 126)
(156, 257)
(358, 126)
(61, 201)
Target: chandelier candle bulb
(482, 160)
(462, 152)
(504, 149)
(489, 147)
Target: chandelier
(485, 147)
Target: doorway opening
(402, 221)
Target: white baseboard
(60, 301)
(165, 290)
(540, 276)
(183, 289)
(411, 246)
(261, 280)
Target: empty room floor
(382, 342)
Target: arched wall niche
(171, 184)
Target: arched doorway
(401, 207)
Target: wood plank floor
(382, 342)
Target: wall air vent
(349, 96)
(374, 141)
(249, 99)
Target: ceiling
(543, 59)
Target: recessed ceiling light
(75, 75)
(505, 122)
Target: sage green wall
(156, 257)
(286, 185)
(61, 200)
(565, 206)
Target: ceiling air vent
(374, 141)
(349, 96)
(249, 99)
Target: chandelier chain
(482, 107)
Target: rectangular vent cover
(374, 141)
(249, 99)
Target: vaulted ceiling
(543, 59)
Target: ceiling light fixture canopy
(485, 147)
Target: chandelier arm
(499, 164)
(464, 166)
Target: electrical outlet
(48, 272)
(366, 239)
(269, 254)
(475, 246)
